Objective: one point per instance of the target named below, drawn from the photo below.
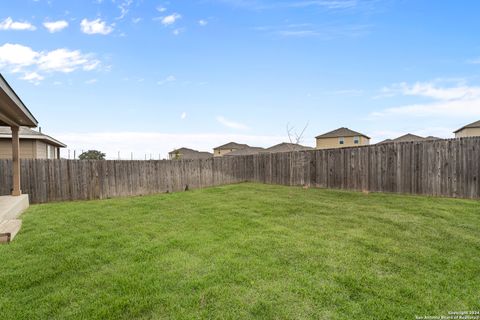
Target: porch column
(16, 161)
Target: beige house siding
(330, 143)
(468, 132)
(41, 150)
(222, 152)
(29, 149)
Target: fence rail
(440, 168)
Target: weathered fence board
(440, 168)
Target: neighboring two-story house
(342, 137)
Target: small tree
(92, 155)
(177, 155)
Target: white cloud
(170, 19)
(183, 116)
(161, 9)
(167, 80)
(96, 26)
(460, 100)
(455, 108)
(17, 55)
(432, 90)
(55, 26)
(155, 143)
(91, 81)
(92, 65)
(33, 77)
(9, 24)
(64, 60)
(17, 58)
(231, 124)
(202, 22)
(136, 20)
(124, 8)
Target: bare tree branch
(294, 136)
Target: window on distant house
(356, 140)
(341, 140)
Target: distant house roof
(232, 145)
(341, 132)
(183, 151)
(409, 137)
(287, 147)
(245, 152)
(385, 141)
(26, 133)
(475, 124)
(191, 154)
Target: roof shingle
(245, 151)
(287, 147)
(190, 154)
(232, 145)
(341, 132)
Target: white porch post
(16, 161)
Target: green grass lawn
(244, 251)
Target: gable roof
(409, 137)
(287, 147)
(341, 132)
(245, 152)
(183, 151)
(191, 154)
(385, 141)
(26, 133)
(475, 124)
(232, 145)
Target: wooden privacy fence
(440, 167)
(60, 180)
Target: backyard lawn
(244, 251)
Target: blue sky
(148, 76)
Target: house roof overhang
(469, 126)
(13, 111)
